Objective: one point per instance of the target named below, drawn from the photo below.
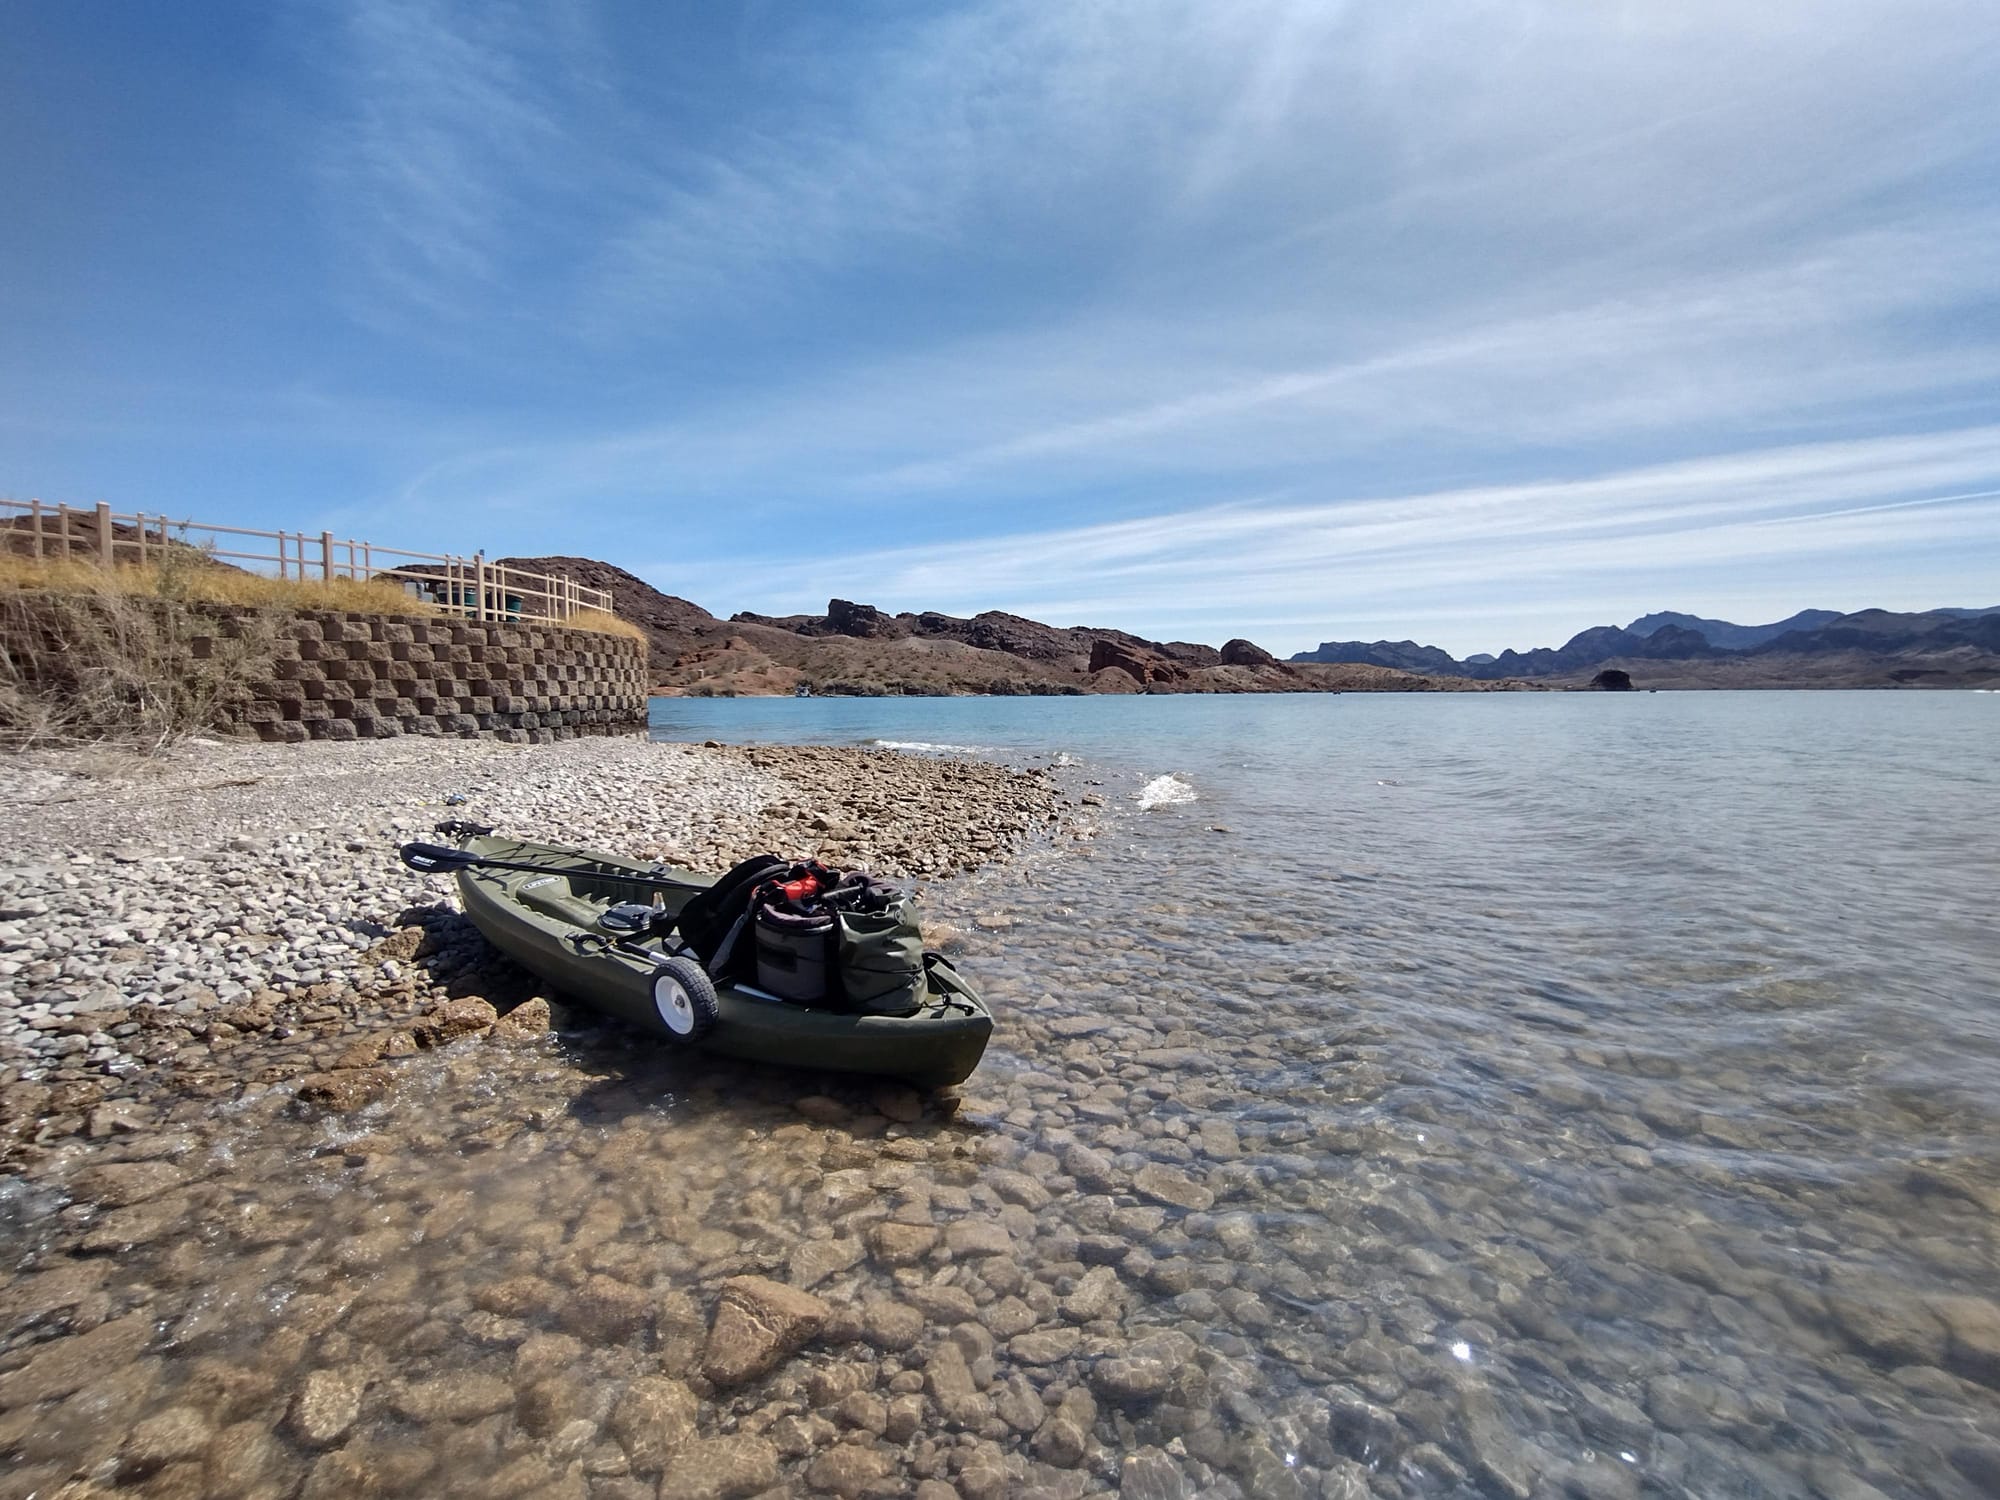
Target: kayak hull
(544, 923)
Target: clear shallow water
(1468, 1096)
(1677, 1016)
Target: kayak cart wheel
(684, 999)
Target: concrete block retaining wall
(340, 676)
(345, 675)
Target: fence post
(139, 527)
(367, 560)
(104, 554)
(479, 583)
(35, 514)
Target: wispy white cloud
(1527, 133)
(453, 126)
(1729, 350)
(1319, 566)
(1799, 344)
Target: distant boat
(802, 691)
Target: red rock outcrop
(1143, 667)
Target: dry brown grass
(194, 580)
(605, 624)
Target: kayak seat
(557, 900)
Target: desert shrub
(99, 663)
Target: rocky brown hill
(632, 598)
(859, 650)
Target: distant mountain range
(857, 649)
(1727, 637)
(1813, 647)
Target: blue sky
(1476, 322)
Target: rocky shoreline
(244, 1264)
(235, 915)
(1203, 1223)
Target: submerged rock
(370, 1468)
(975, 1237)
(1045, 1346)
(325, 1406)
(901, 1244)
(891, 1325)
(721, 1468)
(1150, 1475)
(1132, 1379)
(1165, 1184)
(1064, 1438)
(179, 1432)
(1972, 1325)
(606, 1310)
(653, 1421)
(757, 1324)
(949, 1381)
(120, 1184)
(812, 1261)
(849, 1469)
(69, 1364)
(344, 1091)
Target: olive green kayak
(551, 922)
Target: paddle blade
(433, 858)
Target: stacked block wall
(341, 676)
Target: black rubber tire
(684, 1000)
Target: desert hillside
(858, 650)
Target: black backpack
(710, 920)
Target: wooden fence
(469, 586)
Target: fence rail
(469, 586)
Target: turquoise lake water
(1640, 1053)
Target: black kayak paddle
(441, 859)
